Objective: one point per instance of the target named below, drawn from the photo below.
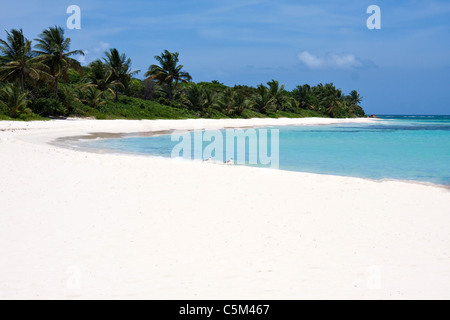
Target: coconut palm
(355, 98)
(14, 100)
(231, 102)
(262, 100)
(277, 93)
(17, 63)
(226, 102)
(54, 50)
(335, 105)
(199, 99)
(330, 98)
(98, 74)
(303, 94)
(192, 97)
(119, 68)
(240, 104)
(168, 71)
(93, 96)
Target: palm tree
(17, 63)
(99, 76)
(231, 102)
(330, 99)
(240, 103)
(200, 99)
(262, 100)
(54, 50)
(193, 97)
(92, 96)
(335, 104)
(168, 71)
(355, 98)
(303, 95)
(119, 67)
(277, 93)
(226, 101)
(14, 100)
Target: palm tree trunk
(170, 91)
(56, 88)
(22, 82)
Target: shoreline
(64, 142)
(139, 126)
(47, 131)
(81, 225)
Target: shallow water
(402, 147)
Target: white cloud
(343, 61)
(310, 60)
(94, 53)
(103, 46)
(330, 60)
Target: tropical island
(42, 79)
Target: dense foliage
(45, 80)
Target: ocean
(415, 148)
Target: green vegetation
(133, 108)
(167, 72)
(46, 81)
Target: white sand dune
(84, 225)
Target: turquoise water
(401, 147)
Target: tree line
(46, 80)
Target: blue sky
(404, 68)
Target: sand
(78, 225)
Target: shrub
(136, 88)
(48, 107)
(163, 101)
(13, 102)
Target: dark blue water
(397, 147)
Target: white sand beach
(78, 225)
